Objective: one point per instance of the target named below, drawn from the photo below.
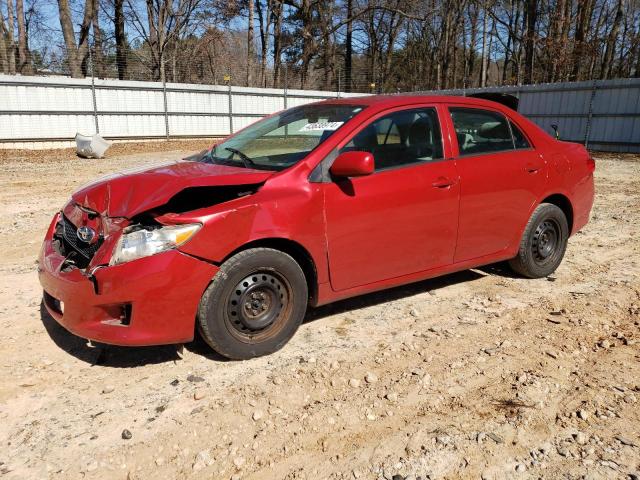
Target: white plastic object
(91, 146)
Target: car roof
(408, 99)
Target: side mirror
(555, 129)
(353, 164)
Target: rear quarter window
(519, 140)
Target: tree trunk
(4, 64)
(348, 57)
(471, 62)
(277, 42)
(250, 44)
(607, 62)
(508, 48)
(517, 45)
(24, 56)
(326, 13)
(98, 57)
(583, 20)
(76, 52)
(531, 19)
(443, 47)
(483, 71)
(11, 43)
(308, 40)
(155, 45)
(120, 38)
(264, 24)
(554, 43)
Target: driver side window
(400, 138)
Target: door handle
(532, 168)
(443, 182)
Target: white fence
(49, 111)
(46, 110)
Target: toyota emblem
(86, 234)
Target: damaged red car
(310, 205)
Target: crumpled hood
(128, 193)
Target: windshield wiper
(246, 160)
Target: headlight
(142, 243)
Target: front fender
(293, 215)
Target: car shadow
(126, 357)
(105, 355)
(501, 269)
(391, 294)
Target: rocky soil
(479, 374)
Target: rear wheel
(543, 243)
(254, 304)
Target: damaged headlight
(143, 242)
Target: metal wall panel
(197, 102)
(198, 125)
(603, 114)
(27, 126)
(256, 104)
(120, 100)
(55, 108)
(130, 125)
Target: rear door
(401, 219)
(501, 177)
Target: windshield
(284, 139)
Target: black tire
(254, 304)
(543, 243)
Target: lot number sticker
(321, 126)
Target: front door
(401, 219)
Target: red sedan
(305, 207)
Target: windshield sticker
(321, 126)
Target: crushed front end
(149, 300)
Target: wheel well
(297, 252)
(563, 204)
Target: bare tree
(76, 51)
(11, 45)
(165, 22)
(485, 48)
(277, 14)
(120, 38)
(348, 48)
(4, 64)
(24, 56)
(583, 20)
(607, 61)
(250, 40)
(394, 44)
(530, 25)
(263, 10)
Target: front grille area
(76, 251)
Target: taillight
(591, 163)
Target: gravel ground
(479, 374)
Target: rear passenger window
(519, 140)
(481, 131)
(400, 138)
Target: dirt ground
(474, 375)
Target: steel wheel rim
(258, 306)
(545, 242)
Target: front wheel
(254, 304)
(543, 243)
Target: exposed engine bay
(81, 232)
